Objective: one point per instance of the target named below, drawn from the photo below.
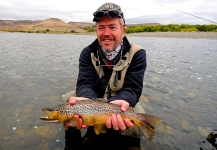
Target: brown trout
(95, 113)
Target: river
(180, 86)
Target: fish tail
(148, 124)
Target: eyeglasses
(110, 13)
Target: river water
(180, 86)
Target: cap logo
(107, 6)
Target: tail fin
(148, 124)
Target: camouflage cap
(109, 7)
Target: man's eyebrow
(101, 25)
(112, 25)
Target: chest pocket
(117, 78)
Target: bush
(189, 30)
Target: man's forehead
(108, 21)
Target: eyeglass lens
(112, 14)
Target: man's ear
(124, 30)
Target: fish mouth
(47, 119)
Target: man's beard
(108, 49)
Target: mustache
(107, 38)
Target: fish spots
(95, 113)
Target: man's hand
(72, 101)
(115, 121)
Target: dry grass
(51, 25)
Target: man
(112, 68)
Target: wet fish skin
(95, 113)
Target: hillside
(81, 24)
(51, 25)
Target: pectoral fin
(71, 122)
(99, 129)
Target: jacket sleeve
(133, 82)
(87, 76)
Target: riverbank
(192, 35)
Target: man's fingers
(84, 126)
(79, 126)
(79, 121)
(76, 116)
(124, 107)
(109, 122)
(115, 122)
(72, 100)
(128, 123)
(121, 123)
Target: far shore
(192, 35)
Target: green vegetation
(172, 28)
(73, 31)
(165, 28)
(89, 28)
(136, 29)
